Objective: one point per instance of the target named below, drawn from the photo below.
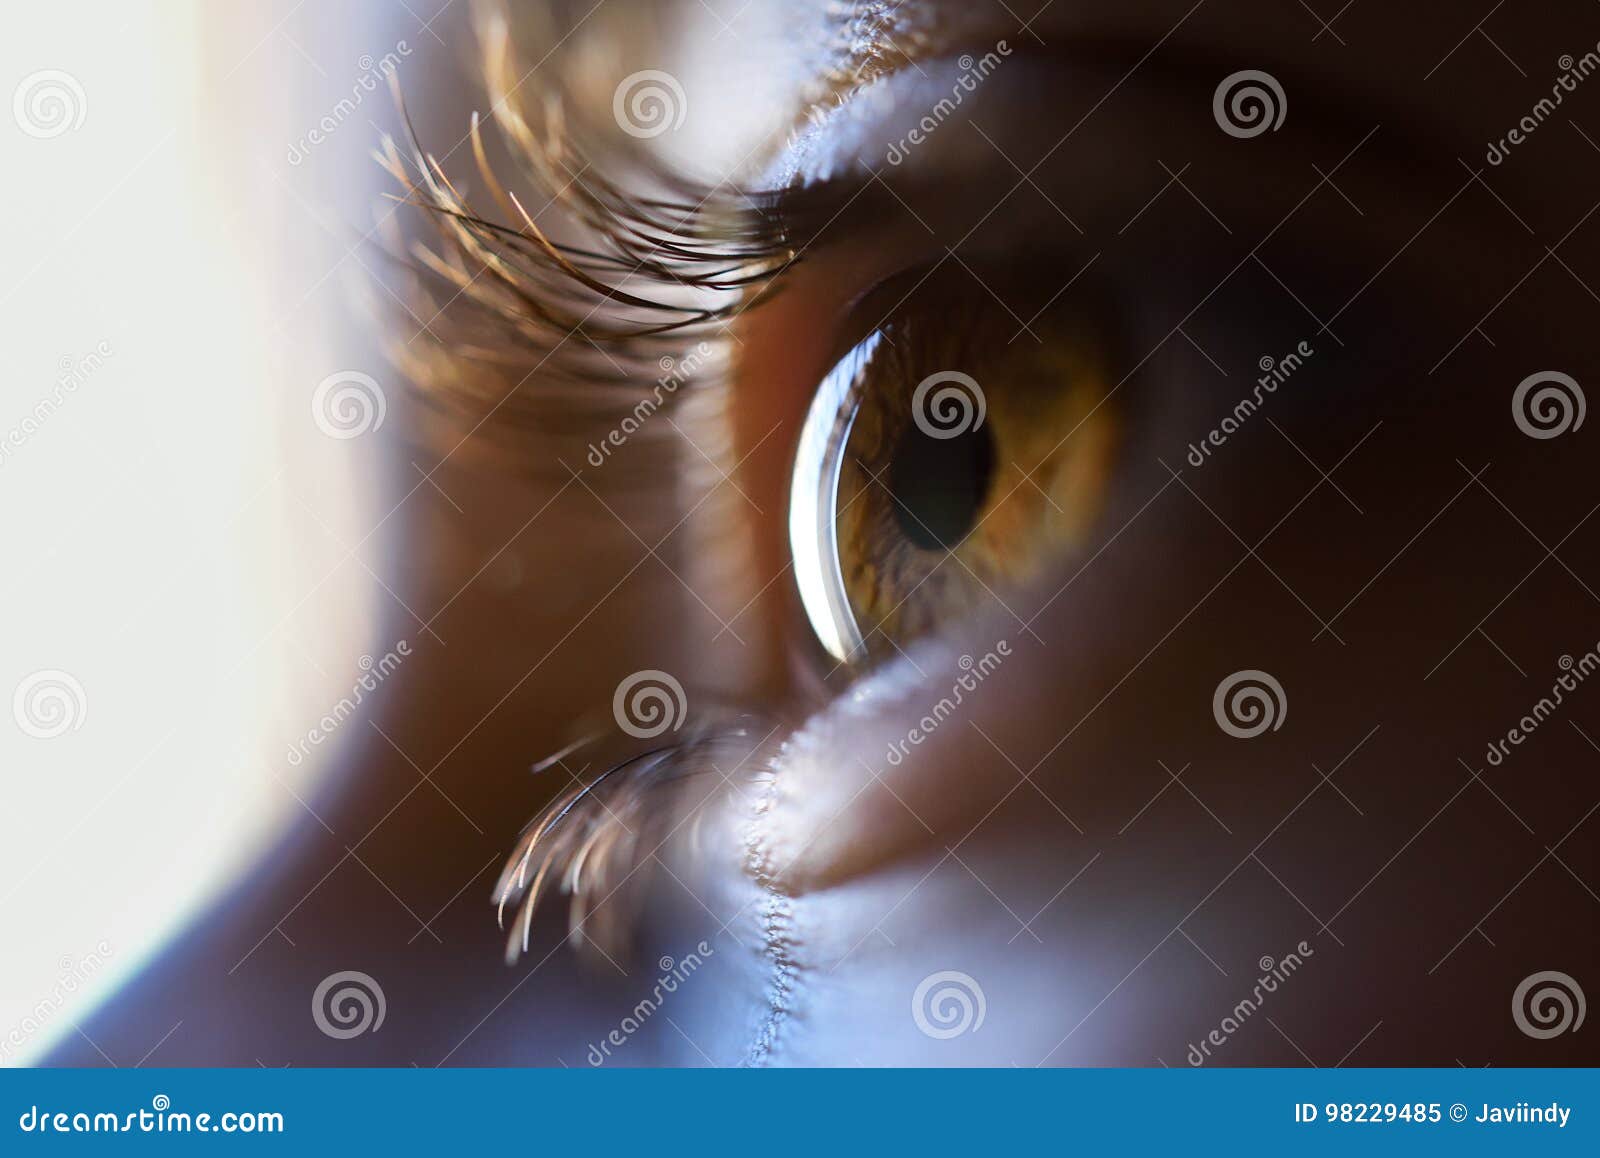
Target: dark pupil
(940, 484)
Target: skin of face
(1080, 849)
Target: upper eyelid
(581, 313)
(1414, 165)
(549, 307)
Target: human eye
(1082, 315)
(959, 354)
(1172, 368)
(909, 508)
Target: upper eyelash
(634, 278)
(584, 283)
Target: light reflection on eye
(813, 502)
(947, 455)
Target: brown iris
(973, 450)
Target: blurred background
(285, 652)
(209, 485)
(201, 564)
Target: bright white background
(180, 536)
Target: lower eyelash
(593, 841)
